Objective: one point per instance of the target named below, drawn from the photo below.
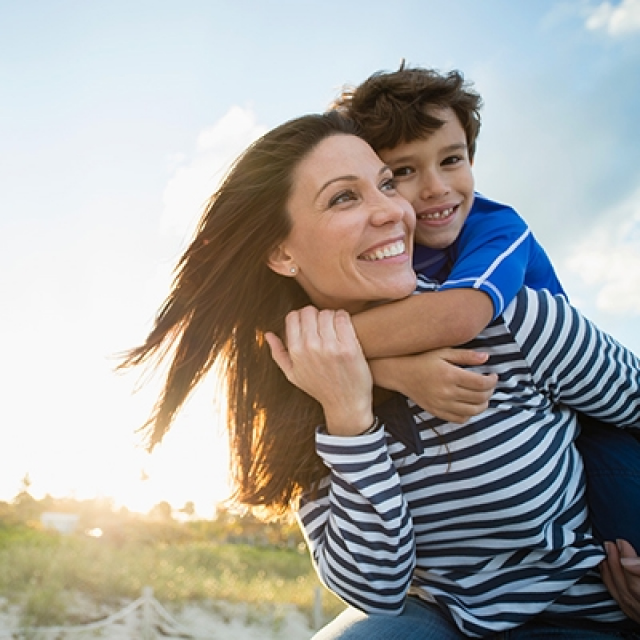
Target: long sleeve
(574, 362)
(358, 525)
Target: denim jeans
(612, 463)
(424, 621)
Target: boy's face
(435, 175)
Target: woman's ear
(281, 262)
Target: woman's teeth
(389, 251)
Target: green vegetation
(231, 558)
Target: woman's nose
(388, 209)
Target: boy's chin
(435, 243)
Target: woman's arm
(358, 527)
(573, 361)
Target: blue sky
(116, 119)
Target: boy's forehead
(422, 132)
(449, 127)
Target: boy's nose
(433, 186)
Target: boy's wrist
(385, 373)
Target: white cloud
(616, 20)
(194, 180)
(608, 259)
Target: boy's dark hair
(397, 107)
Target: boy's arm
(438, 382)
(423, 322)
(497, 253)
(435, 379)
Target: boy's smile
(435, 175)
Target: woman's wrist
(372, 425)
(375, 425)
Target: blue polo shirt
(496, 252)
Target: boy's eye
(452, 160)
(342, 197)
(401, 172)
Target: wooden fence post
(318, 617)
(147, 628)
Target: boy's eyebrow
(458, 146)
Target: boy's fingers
(470, 379)
(623, 585)
(462, 411)
(480, 382)
(607, 578)
(631, 566)
(625, 549)
(465, 357)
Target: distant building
(62, 522)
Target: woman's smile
(352, 234)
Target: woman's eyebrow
(348, 178)
(328, 183)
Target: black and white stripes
(487, 518)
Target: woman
(309, 214)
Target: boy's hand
(621, 573)
(436, 382)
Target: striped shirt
(486, 519)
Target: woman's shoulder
(425, 284)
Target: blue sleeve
(497, 253)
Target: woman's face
(351, 238)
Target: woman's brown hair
(223, 299)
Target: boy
(424, 125)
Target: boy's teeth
(388, 251)
(438, 215)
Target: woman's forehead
(340, 154)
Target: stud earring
(292, 270)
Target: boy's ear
(281, 262)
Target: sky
(117, 119)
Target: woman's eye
(401, 172)
(342, 197)
(388, 185)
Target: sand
(210, 621)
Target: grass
(43, 572)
